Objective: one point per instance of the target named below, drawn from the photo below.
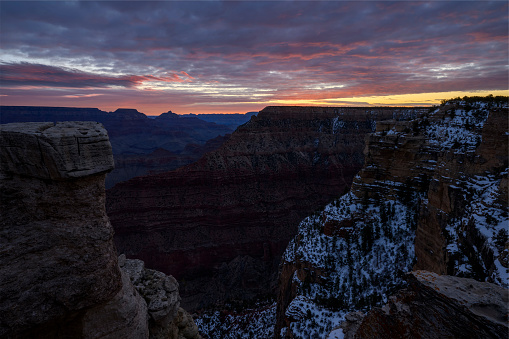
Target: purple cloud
(26, 74)
(245, 51)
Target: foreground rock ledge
(58, 151)
(435, 306)
(59, 273)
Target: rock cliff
(59, 276)
(462, 227)
(435, 306)
(432, 195)
(222, 223)
(58, 257)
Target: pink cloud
(27, 74)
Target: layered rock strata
(59, 276)
(462, 222)
(243, 200)
(161, 160)
(57, 251)
(432, 195)
(435, 306)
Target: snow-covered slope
(354, 270)
(249, 323)
(432, 195)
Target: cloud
(242, 51)
(79, 96)
(26, 74)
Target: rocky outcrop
(59, 276)
(124, 316)
(57, 256)
(65, 151)
(244, 199)
(166, 318)
(436, 306)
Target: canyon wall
(59, 273)
(220, 224)
(432, 195)
(463, 223)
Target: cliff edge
(434, 306)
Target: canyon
(140, 144)
(221, 224)
(59, 272)
(305, 222)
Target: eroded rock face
(467, 206)
(244, 199)
(124, 316)
(160, 290)
(435, 306)
(166, 318)
(59, 276)
(432, 195)
(57, 254)
(55, 151)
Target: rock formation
(435, 306)
(234, 211)
(59, 276)
(166, 319)
(432, 195)
(58, 257)
(467, 201)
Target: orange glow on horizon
(420, 99)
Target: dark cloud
(26, 74)
(270, 49)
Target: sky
(240, 56)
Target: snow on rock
(352, 255)
(257, 322)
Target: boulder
(437, 306)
